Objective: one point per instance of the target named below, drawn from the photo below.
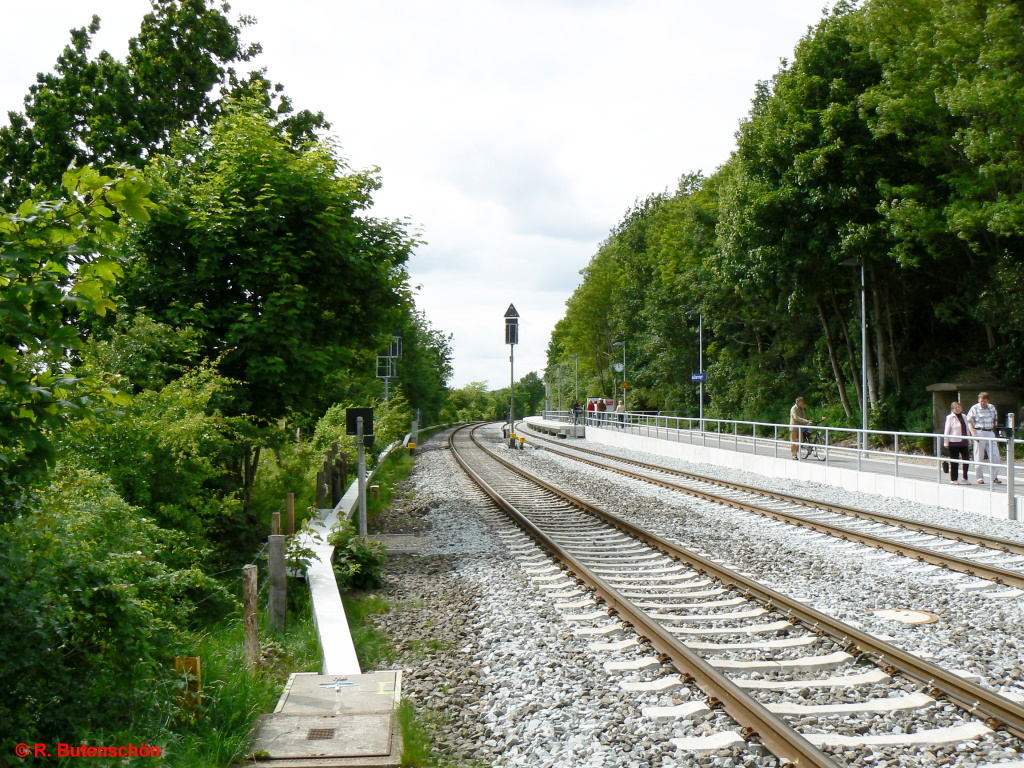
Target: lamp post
(863, 352)
(576, 386)
(700, 366)
(559, 379)
(623, 345)
(511, 338)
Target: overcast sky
(513, 134)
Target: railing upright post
(1011, 495)
(896, 454)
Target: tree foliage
(269, 251)
(892, 140)
(59, 262)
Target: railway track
(996, 560)
(767, 660)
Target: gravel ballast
(498, 673)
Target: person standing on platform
(984, 418)
(797, 420)
(591, 405)
(601, 407)
(576, 411)
(956, 431)
(620, 409)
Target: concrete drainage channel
(341, 717)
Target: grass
(233, 695)
(416, 751)
(374, 649)
(392, 472)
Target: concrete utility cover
(905, 616)
(312, 694)
(333, 716)
(324, 736)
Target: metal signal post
(511, 338)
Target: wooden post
(289, 505)
(275, 524)
(278, 583)
(375, 492)
(191, 669)
(252, 643)
(341, 468)
(337, 490)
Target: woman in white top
(956, 431)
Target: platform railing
(903, 454)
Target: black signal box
(351, 428)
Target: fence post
(275, 523)
(278, 583)
(252, 643)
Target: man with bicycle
(797, 420)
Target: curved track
(685, 605)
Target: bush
(358, 564)
(94, 604)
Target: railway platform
(917, 479)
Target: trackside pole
(1011, 496)
(362, 475)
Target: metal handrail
(846, 442)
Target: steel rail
(967, 537)
(756, 720)
(921, 554)
(1007, 545)
(997, 711)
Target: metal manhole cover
(319, 733)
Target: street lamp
(700, 365)
(863, 352)
(511, 338)
(576, 388)
(623, 345)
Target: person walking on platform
(620, 409)
(797, 420)
(956, 431)
(984, 418)
(576, 411)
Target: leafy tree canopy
(270, 252)
(101, 111)
(58, 261)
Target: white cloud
(513, 133)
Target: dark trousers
(957, 454)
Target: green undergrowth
(374, 648)
(233, 695)
(392, 473)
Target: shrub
(358, 564)
(94, 604)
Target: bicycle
(811, 444)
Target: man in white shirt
(984, 418)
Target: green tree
(270, 252)
(60, 262)
(101, 111)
